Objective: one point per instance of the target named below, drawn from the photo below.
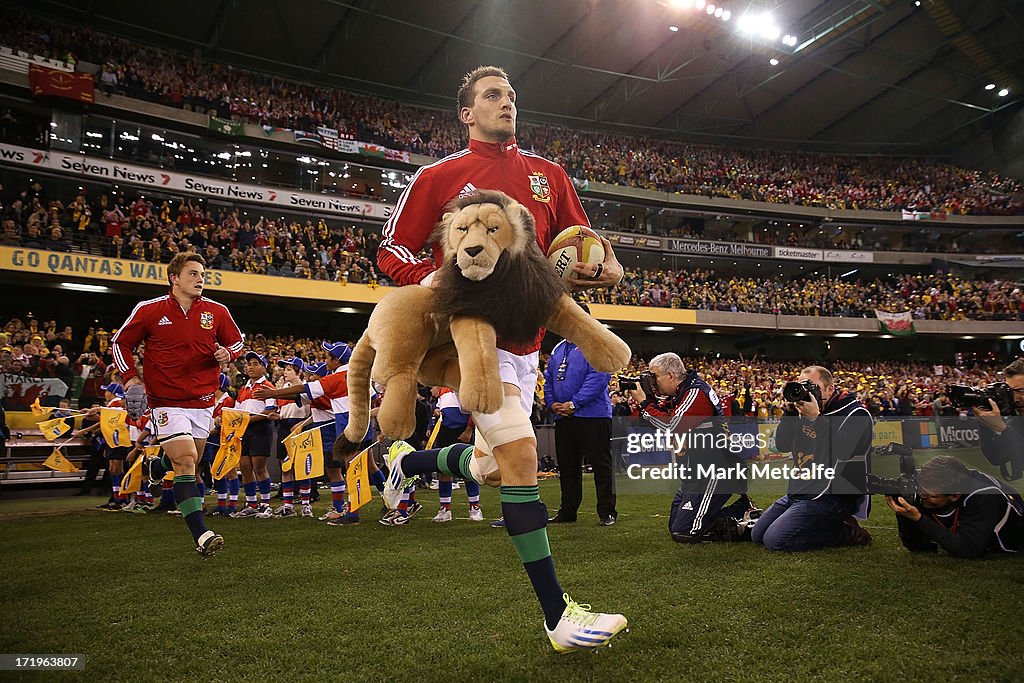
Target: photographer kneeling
(676, 401)
(824, 428)
(963, 511)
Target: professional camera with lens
(801, 391)
(903, 486)
(645, 380)
(963, 396)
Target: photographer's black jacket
(988, 518)
(1006, 448)
(839, 438)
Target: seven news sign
(172, 180)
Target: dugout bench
(21, 461)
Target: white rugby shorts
(522, 372)
(195, 422)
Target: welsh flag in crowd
(900, 324)
(368, 150)
(226, 127)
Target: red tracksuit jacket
(178, 364)
(538, 184)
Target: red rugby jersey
(179, 366)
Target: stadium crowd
(138, 229)
(823, 180)
(41, 349)
(935, 296)
(141, 231)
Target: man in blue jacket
(577, 396)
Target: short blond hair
(177, 263)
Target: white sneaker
(264, 511)
(394, 518)
(135, 507)
(397, 482)
(286, 510)
(581, 629)
(209, 543)
(243, 512)
(443, 515)
(433, 485)
(330, 514)
(307, 511)
(456, 485)
(475, 513)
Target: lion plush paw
(609, 354)
(479, 395)
(397, 416)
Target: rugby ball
(578, 243)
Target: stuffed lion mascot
(494, 282)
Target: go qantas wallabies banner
(106, 169)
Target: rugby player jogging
(187, 338)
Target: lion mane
(519, 296)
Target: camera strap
(956, 520)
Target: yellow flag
(233, 424)
(309, 455)
(115, 431)
(53, 429)
(357, 477)
(132, 480)
(289, 448)
(433, 434)
(228, 456)
(40, 411)
(58, 462)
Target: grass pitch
(297, 600)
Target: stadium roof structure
(853, 75)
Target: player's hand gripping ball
(578, 243)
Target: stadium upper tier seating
(820, 180)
